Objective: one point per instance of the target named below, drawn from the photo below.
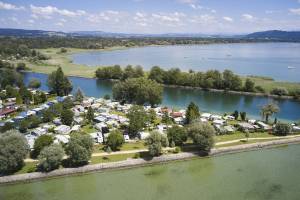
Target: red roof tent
(7, 111)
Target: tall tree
(202, 135)
(79, 149)
(115, 140)
(59, 83)
(155, 142)
(137, 119)
(192, 113)
(90, 115)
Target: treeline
(212, 79)
(100, 43)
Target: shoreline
(134, 163)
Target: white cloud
(248, 17)
(228, 19)
(51, 10)
(187, 1)
(31, 21)
(59, 24)
(295, 11)
(8, 6)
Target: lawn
(112, 158)
(28, 167)
(244, 142)
(239, 135)
(126, 147)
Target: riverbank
(131, 163)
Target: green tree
(34, 83)
(59, 83)
(24, 124)
(90, 115)
(79, 95)
(177, 134)
(202, 135)
(155, 142)
(13, 151)
(40, 143)
(268, 110)
(67, 117)
(79, 149)
(67, 103)
(115, 140)
(34, 121)
(139, 91)
(25, 94)
(282, 129)
(48, 116)
(51, 157)
(157, 74)
(137, 119)
(192, 113)
(249, 85)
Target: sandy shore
(141, 162)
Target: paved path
(259, 138)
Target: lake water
(180, 98)
(271, 174)
(263, 59)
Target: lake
(257, 175)
(263, 59)
(180, 98)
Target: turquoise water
(258, 175)
(264, 59)
(180, 98)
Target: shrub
(115, 140)
(51, 157)
(282, 129)
(280, 91)
(40, 143)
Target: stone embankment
(141, 162)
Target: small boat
(291, 67)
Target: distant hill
(29, 33)
(275, 35)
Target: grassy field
(127, 146)
(63, 60)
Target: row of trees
(22, 45)
(14, 149)
(212, 79)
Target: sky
(152, 16)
